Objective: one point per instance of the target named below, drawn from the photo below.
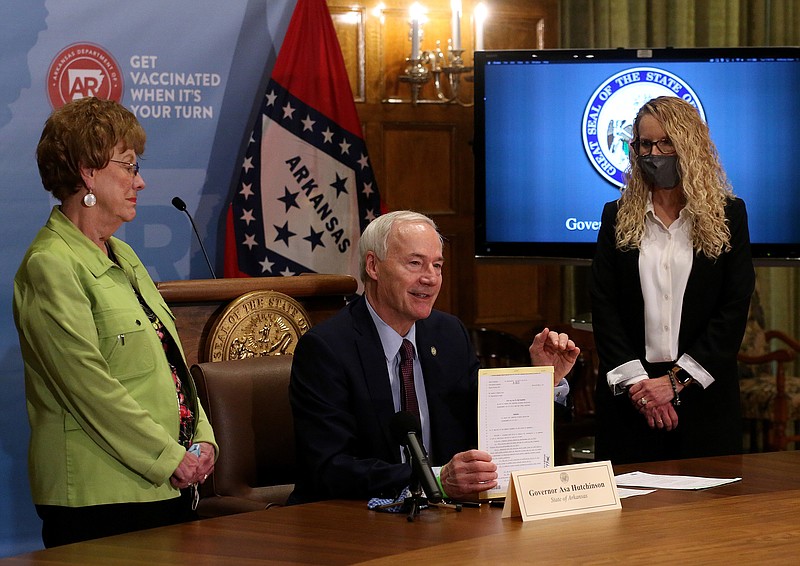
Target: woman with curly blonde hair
(672, 280)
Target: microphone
(178, 203)
(406, 431)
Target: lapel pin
(433, 350)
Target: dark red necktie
(408, 393)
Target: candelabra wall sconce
(445, 68)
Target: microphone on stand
(178, 203)
(406, 430)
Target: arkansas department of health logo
(608, 119)
(81, 70)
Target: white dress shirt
(391, 342)
(665, 262)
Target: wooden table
(756, 520)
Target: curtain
(687, 23)
(679, 23)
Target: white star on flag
(250, 241)
(266, 265)
(248, 164)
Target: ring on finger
(643, 401)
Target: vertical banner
(306, 189)
(193, 72)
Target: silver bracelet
(676, 401)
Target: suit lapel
(433, 371)
(373, 367)
(429, 360)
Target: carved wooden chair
(769, 396)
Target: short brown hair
(83, 133)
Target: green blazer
(100, 396)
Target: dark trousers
(65, 525)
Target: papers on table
(626, 492)
(658, 481)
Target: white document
(658, 481)
(624, 492)
(515, 420)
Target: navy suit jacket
(342, 404)
(713, 319)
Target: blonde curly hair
(704, 184)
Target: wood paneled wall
(422, 153)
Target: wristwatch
(681, 375)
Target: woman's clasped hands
(653, 399)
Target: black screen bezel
(582, 253)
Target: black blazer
(342, 404)
(713, 319)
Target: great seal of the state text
(259, 323)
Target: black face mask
(660, 171)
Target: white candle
(415, 11)
(415, 39)
(480, 16)
(455, 6)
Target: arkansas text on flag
(306, 188)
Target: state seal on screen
(258, 323)
(80, 70)
(608, 118)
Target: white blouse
(665, 262)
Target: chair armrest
(783, 337)
(782, 355)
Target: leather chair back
(247, 403)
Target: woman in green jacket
(119, 440)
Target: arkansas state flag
(306, 188)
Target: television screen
(552, 129)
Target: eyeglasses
(132, 168)
(645, 147)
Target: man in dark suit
(346, 387)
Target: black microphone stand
(178, 203)
(417, 502)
